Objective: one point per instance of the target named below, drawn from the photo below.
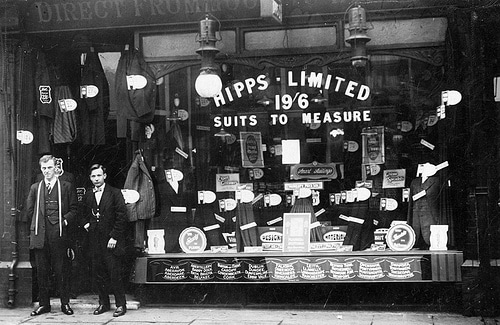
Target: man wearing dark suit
(105, 220)
(53, 206)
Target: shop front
(319, 144)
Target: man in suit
(106, 221)
(53, 205)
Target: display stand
(316, 267)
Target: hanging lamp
(208, 83)
(358, 36)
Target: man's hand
(112, 243)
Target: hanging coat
(93, 111)
(65, 121)
(44, 104)
(139, 179)
(174, 140)
(136, 105)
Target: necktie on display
(48, 187)
(97, 189)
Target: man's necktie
(97, 189)
(48, 187)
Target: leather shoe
(101, 309)
(40, 310)
(120, 311)
(65, 308)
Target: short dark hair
(46, 158)
(97, 166)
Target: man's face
(97, 176)
(48, 169)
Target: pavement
(143, 315)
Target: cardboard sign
(296, 234)
(192, 240)
(373, 145)
(156, 241)
(135, 82)
(251, 149)
(313, 171)
(130, 196)
(227, 182)
(394, 178)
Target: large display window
(356, 150)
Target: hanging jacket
(173, 141)
(44, 102)
(133, 104)
(93, 111)
(64, 129)
(139, 179)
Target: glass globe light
(208, 84)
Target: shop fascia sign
(56, 15)
(284, 102)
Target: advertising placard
(373, 145)
(394, 178)
(296, 233)
(251, 149)
(227, 182)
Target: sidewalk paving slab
(234, 316)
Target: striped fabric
(64, 123)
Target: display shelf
(312, 267)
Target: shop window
(360, 136)
(161, 45)
(407, 31)
(291, 38)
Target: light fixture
(265, 101)
(319, 98)
(222, 133)
(357, 36)
(174, 116)
(208, 84)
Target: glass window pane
(291, 38)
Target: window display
(347, 146)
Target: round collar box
(192, 240)
(400, 237)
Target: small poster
(394, 178)
(373, 145)
(296, 232)
(227, 182)
(156, 241)
(251, 149)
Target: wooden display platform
(315, 267)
